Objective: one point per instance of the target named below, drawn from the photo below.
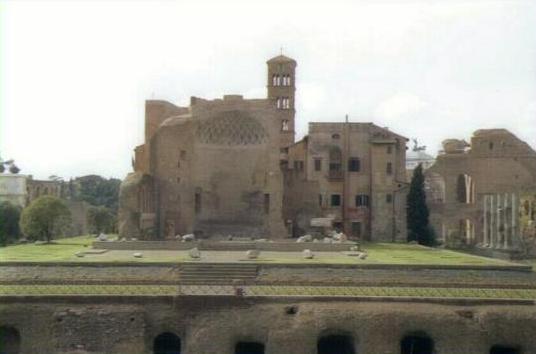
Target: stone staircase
(216, 273)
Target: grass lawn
(259, 290)
(378, 253)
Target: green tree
(45, 218)
(100, 219)
(418, 225)
(98, 191)
(9, 223)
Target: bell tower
(281, 90)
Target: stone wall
(213, 325)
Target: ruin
(230, 167)
(482, 194)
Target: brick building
(223, 167)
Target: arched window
(167, 343)
(465, 189)
(288, 80)
(249, 348)
(278, 80)
(336, 344)
(9, 340)
(279, 102)
(417, 343)
(274, 80)
(500, 349)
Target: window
(279, 103)
(491, 145)
(178, 164)
(389, 149)
(389, 198)
(389, 168)
(320, 199)
(335, 200)
(197, 203)
(183, 154)
(354, 165)
(274, 80)
(362, 200)
(284, 125)
(267, 203)
(298, 165)
(336, 136)
(318, 164)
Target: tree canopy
(100, 219)
(9, 222)
(45, 218)
(96, 190)
(418, 225)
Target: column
(513, 234)
(506, 217)
(498, 220)
(492, 221)
(485, 241)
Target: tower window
(354, 165)
(284, 125)
(288, 80)
(279, 102)
(274, 80)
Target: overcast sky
(74, 74)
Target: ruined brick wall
(496, 162)
(213, 325)
(217, 170)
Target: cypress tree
(418, 225)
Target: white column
(498, 221)
(485, 241)
(513, 234)
(492, 221)
(506, 217)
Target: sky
(74, 75)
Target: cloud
(401, 105)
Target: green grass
(259, 290)
(63, 250)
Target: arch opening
(9, 340)
(502, 349)
(249, 348)
(167, 343)
(417, 344)
(465, 189)
(336, 344)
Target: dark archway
(419, 343)
(249, 348)
(167, 343)
(336, 344)
(9, 340)
(502, 349)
